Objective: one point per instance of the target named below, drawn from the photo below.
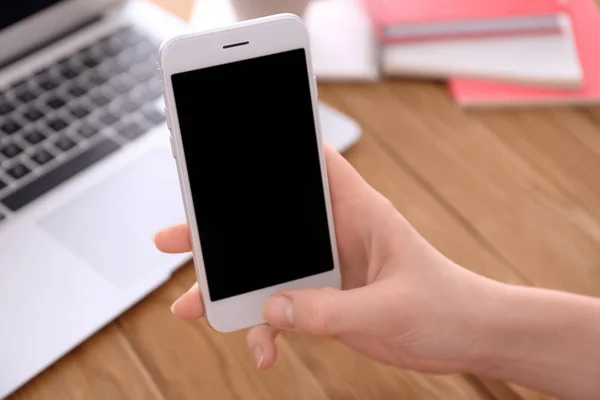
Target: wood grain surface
(513, 195)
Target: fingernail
(174, 305)
(258, 355)
(282, 311)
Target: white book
(343, 42)
(543, 59)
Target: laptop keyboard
(66, 117)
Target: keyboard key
(69, 71)
(2, 184)
(25, 95)
(112, 46)
(9, 127)
(76, 90)
(87, 48)
(41, 71)
(90, 61)
(55, 177)
(48, 83)
(86, 85)
(79, 111)
(142, 52)
(131, 130)
(33, 114)
(126, 59)
(42, 74)
(129, 36)
(117, 42)
(18, 84)
(98, 78)
(129, 106)
(99, 99)
(55, 103)
(113, 68)
(119, 112)
(147, 94)
(145, 72)
(42, 157)
(64, 143)
(18, 170)
(122, 85)
(139, 96)
(35, 137)
(154, 91)
(108, 118)
(64, 61)
(86, 130)
(111, 51)
(154, 116)
(11, 150)
(57, 124)
(5, 107)
(103, 41)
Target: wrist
(541, 339)
(520, 326)
(501, 328)
(487, 316)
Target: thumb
(323, 311)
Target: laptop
(86, 172)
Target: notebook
(533, 59)
(410, 20)
(586, 26)
(344, 46)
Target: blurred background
(483, 129)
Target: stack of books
(494, 52)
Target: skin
(405, 304)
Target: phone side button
(172, 146)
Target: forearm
(545, 340)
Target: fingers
(261, 344)
(175, 239)
(189, 306)
(260, 339)
(324, 311)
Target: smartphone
(245, 133)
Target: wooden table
(513, 195)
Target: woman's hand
(403, 303)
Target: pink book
(414, 20)
(585, 17)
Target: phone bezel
(265, 36)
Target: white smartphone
(245, 133)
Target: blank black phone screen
(251, 151)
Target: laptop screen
(13, 11)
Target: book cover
(400, 20)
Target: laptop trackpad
(110, 226)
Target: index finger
(175, 239)
(189, 306)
